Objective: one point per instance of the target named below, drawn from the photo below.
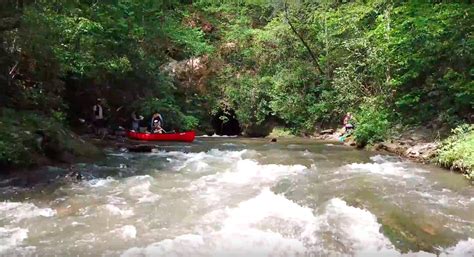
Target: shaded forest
(235, 66)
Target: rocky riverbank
(418, 144)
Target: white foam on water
(11, 237)
(385, 165)
(394, 169)
(240, 233)
(377, 168)
(463, 248)
(229, 144)
(126, 232)
(217, 136)
(114, 210)
(384, 158)
(199, 162)
(100, 182)
(194, 162)
(250, 171)
(243, 173)
(17, 211)
(266, 204)
(356, 229)
(139, 188)
(77, 224)
(271, 225)
(185, 245)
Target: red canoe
(182, 136)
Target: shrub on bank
(281, 132)
(174, 117)
(457, 151)
(372, 124)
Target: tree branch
(311, 53)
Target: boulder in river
(141, 148)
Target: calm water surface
(241, 197)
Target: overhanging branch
(311, 53)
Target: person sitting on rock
(348, 122)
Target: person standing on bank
(98, 116)
(136, 121)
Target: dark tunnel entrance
(226, 123)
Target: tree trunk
(313, 56)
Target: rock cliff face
(191, 74)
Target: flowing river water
(241, 197)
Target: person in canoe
(157, 123)
(157, 129)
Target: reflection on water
(241, 197)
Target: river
(241, 197)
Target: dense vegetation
(457, 150)
(298, 64)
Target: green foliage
(174, 118)
(190, 40)
(19, 145)
(17, 133)
(94, 40)
(249, 96)
(430, 51)
(189, 122)
(457, 151)
(102, 47)
(414, 57)
(281, 132)
(372, 124)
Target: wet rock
(329, 135)
(141, 148)
(423, 151)
(326, 131)
(351, 142)
(73, 176)
(393, 147)
(66, 157)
